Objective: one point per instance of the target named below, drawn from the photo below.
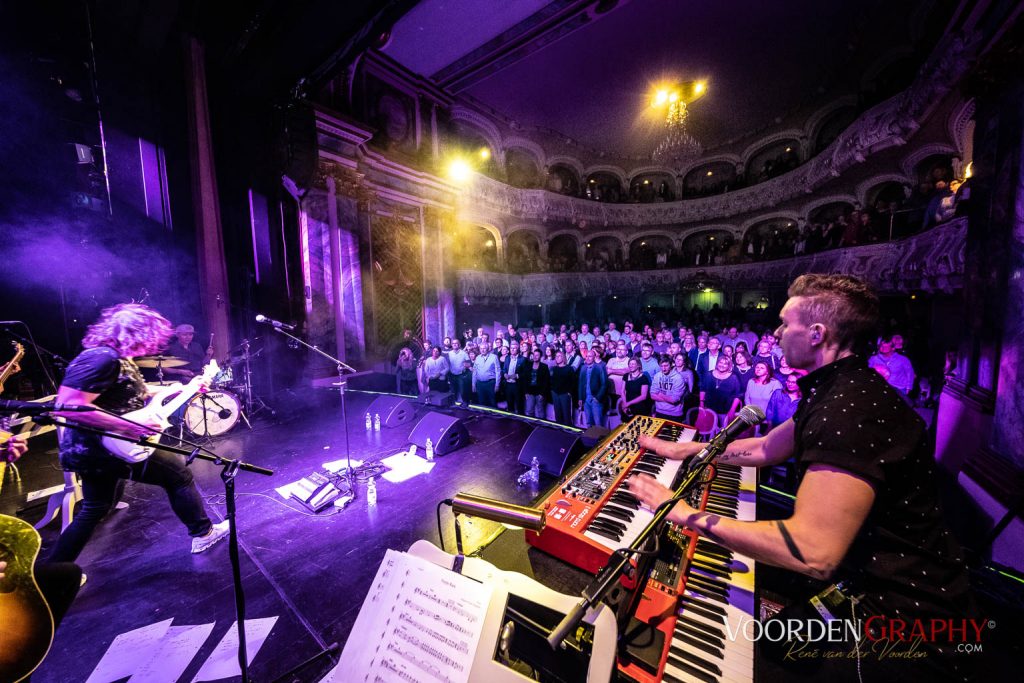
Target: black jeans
(100, 489)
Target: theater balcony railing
(929, 261)
(888, 124)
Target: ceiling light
(699, 88)
(789, 149)
(710, 173)
(459, 171)
(489, 243)
(485, 153)
(679, 145)
(660, 98)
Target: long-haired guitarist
(105, 375)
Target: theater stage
(311, 571)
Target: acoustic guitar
(156, 408)
(26, 623)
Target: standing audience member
(435, 370)
(783, 402)
(459, 371)
(761, 387)
(617, 367)
(563, 382)
(593, 386)
(537, 386)
(486, 371)
(667, 392)
(721, 391)
(636, 398)
(405, 372)
(894, 367)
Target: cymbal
(162, 361)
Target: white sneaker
(216, 533)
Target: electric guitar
(161, 412)
(26, 623)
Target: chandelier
(678, 144)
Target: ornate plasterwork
(886, 125)
(931, 261)
(919, 155)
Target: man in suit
(513, 365)
(593, 387)
(706, 362)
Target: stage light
(485, 153)
(459, 171)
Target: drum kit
(229, 399)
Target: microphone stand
(342, 367)
(609, 575)
(230, 469)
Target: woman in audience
(405, 372)
(563, 379)
(761, 387)
(549, 356)
(721, 390)
(637, 387)
(783, 403)
(764, 353)
(743, 369)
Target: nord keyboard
(592, 514)
(698, 592)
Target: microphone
(274, 323)
(498, 511)
(31, 408)
(749, 416)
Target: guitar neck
(11, 364)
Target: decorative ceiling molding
(929, 261)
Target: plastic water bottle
(430, 450)
(369, 422)
(376, 422)
(535, 470)
(371, 492)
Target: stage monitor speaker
(438, 399)
(445, 432)
(554, 449)
(394, 411)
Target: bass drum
(213, 413)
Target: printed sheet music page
(419, 622)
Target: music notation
(419, 622)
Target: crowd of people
(589, 374)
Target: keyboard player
(866, 510)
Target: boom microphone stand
(229, 471)
(342, 386)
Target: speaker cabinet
(554, 449)
(394, 411)
(438, 399)
(445, 432)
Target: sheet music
(176, 651)
(223, 661)
(128, 652)
(419, 622)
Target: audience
(592, 372)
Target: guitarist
(104, 375)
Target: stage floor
(310, 571)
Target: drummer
(184, 346)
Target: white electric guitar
(160, 411)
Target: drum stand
(249, 402)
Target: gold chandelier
(678, 144)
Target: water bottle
(430, 450)
(369, 422)
(376, 422)
(535, 470)
(371, 492)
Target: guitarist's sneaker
(216, 533)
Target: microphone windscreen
(752, 415)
